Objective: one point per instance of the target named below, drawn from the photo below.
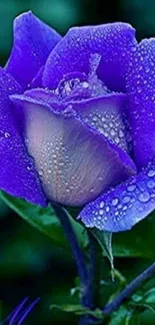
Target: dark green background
(30, 264)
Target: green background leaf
(45, 220)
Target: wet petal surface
(122, 207)
(74, 161)
(141, 87)
(33, 41)
(113, 42)
(106, 114)
(18, 176)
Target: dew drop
(112, 132)
(7, 134)
(121, 133)
(144, 197)
(117, 140)
(115, 202)
(151, 183)
(101, 204)
(107, 209)
(126, 199)
(151, 173)
(85, 84)
(131, 188)
(41, 173)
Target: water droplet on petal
(144, 197)
(101, 204)
(115, 202)
(151, 173)
(151, 183)
(131, 188)
(126, 199)
(7, 134)
(107, 209)
(41, 173)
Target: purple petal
(113, 42)
(106, 115)
(18, 176)
(74, 161)
(33, 41)
(122, 207)
(141, 87)
(45, 96)
(37, 80)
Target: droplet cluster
(110, 124)
(71, 166)
(121, 207)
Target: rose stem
(129, 290)
(87, 278)
(77, 253)
(91, 291)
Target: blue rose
(77, 121)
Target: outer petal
(141, 87)
(37, 80)
(114, 42)
(33, 41)
(75, 162)
(105, 113)
(18, 176)
(122, 207)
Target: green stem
(129, 290)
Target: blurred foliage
(25, 258)
(33, 264)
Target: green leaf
(104, 238)
(137, 242)
(69, 308)
(149, 296)
(121, 317)
(78, 309)
(44, 219)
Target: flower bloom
(77, 121)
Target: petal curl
(122, 207)
(141, 88)
(33, 42)
(18, 176)
(106, 113)
(74, 161)
(114, 42)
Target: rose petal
(75, 162)
(33, 41)
(18, 176)
(122, 207)
(114, 42)
(37, 80)
(141, 87)
(106, 114)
